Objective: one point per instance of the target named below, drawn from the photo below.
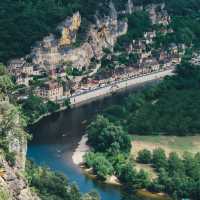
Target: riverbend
(57, 136)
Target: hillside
(75, 46)
(25, 22)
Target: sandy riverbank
(77, 159)
(80, 151)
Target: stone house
(149, 37)
(16, 63)
(51, 90)
(27, 69)
(57, 72)
(151, 64)
(23, 79)
(173, 48)
(176, 59)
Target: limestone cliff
(13, 184)
(103, 34)
(69, 29)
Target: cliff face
(13, 185)
(103, 34)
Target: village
(53, 80)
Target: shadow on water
(55, 138)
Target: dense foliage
(104, 136)
(100, 165)
(138, 23)
(24, 22)
(34, 107)
(111, 145)
(10, 128)
(54, 186)
(144, 156)
(177, 176)
(27, 21)
(173, 106)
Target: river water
(56, 137)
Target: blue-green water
(57, 136)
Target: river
(56, 137)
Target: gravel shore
(80, 151)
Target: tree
(131, 178)
(6, 83)
(2, 69)
(175, 164)
(52, 107)
(144, 156)
(34, 107)
(100, 165)
(133, 58)
(159, 158)
(105, 136)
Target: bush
(159, 158)
(131, 178)
(105, 136)
(10, 158)
(144, 156)
(100, 165)
(89, 159)
(67, 103)
(52, 107)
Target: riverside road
(117, 85)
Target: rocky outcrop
(13, 183)
(68, 30)
(103, 34)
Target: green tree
(104, 136)
(100, 165)
(175, 164)
(144, 156)
(159, 158)
(34, 107)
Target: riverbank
(80, 151)
(78, 159)
(48, 138)
(48, 114)
(118, 86)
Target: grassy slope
(168, 143)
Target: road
(99, 91)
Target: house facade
(51, 90)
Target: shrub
(100, 165)
(159, 158)
(144, 156)
(10, 158)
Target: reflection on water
(56, 137)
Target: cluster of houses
(158, 14)
(154, 59)
(23, 72)
(150, 58)
(52, 82)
